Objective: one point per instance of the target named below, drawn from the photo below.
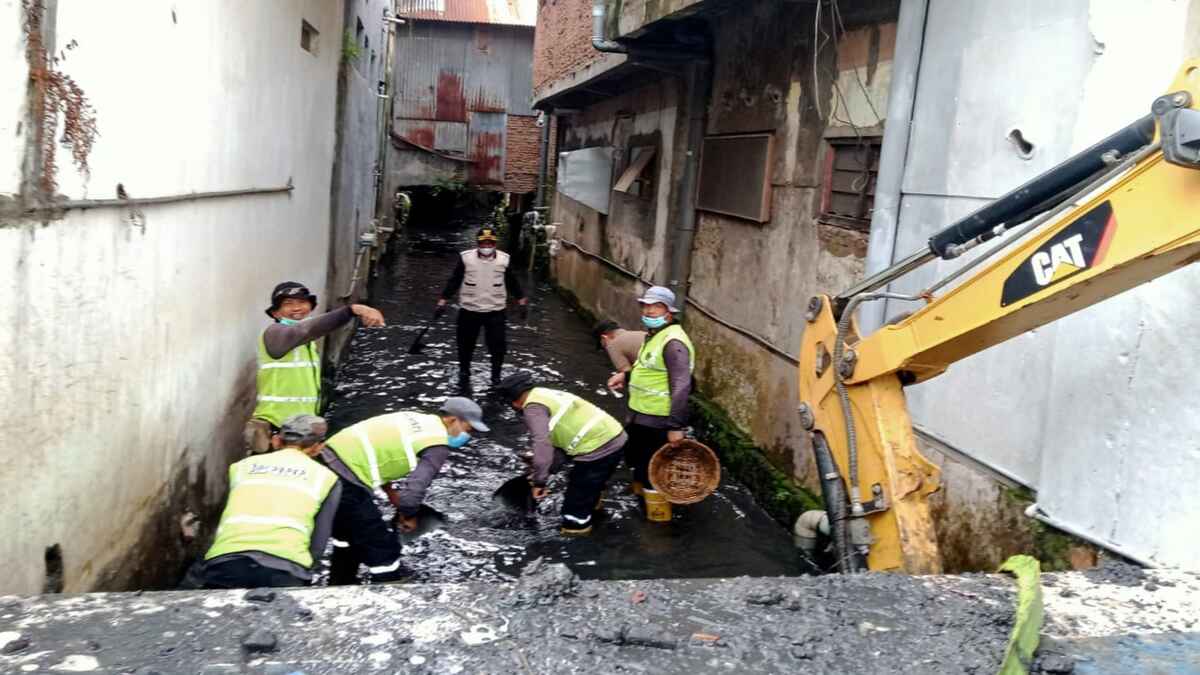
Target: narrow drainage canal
(725, 535)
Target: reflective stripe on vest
(577, 426)
(483, 288)
(649, 384)
(386, 447)
(289, 385)
(272, 506)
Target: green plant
(350, 49)
(447, 183)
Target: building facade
(803, 108)
(461, 102)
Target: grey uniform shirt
(279, 339)
(677, 359)
(546, 457)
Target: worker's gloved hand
(439, 311)
(674, 436)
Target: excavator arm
(1123, 212)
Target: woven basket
(685, 471)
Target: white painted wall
(12, 92)
(1100, 411)
(129, 351)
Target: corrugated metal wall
(456, 83)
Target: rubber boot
(658, 509)
(572, 532)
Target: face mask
(288, 322)
(487, 252)
(653, 322)
(460, 439)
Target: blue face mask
(288, 322)
(460, 439)
(653, 322)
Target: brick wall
(563, 41)
(521, 163)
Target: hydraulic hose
(833, 491)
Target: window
(308, 37)
(638, 178)
(851, 170)
(735, 175)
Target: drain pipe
(906, 64)
(543, 160)
(599, 41)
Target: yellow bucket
(658, 509)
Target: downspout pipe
(893, 154)
(544, 159)
(681, 245)
(599, 41)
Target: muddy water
(726, 535)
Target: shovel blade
(515, 494)
(417, 345)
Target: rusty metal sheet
(420, 133)
(504, 12)
(486, 138)
(450, 137)
(429, 71)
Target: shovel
(416, 346)
(516, 494)
(428, 520)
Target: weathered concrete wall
(129, 361)
(758, 276)
(634, 234)
(1075, 409)
(360, 118)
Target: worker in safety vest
(369, 456)
(622, 345)
(660, 383)
(279, 514)
(566, 427)
(289, 363)
(483, 281)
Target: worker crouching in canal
(660, 383)
(369, 456)
(289, 364)
(564, 426)
(278, 517)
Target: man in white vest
(483, 281)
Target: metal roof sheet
(505, 12)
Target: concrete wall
(360, 117)
(129, 365)
(1097, 412)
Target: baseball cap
(659, 294)
(303, 430)
(487, 234)
(465, 409)
(290, 289)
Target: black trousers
(372, 541)
(494, 326)
(241, 572)
(641, 446)
(584, 485)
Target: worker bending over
(660, 383)
(369, 456)
(566, 427)
(483, 280)
(622, 345)
(289, 364)
(279, 514)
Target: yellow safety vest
(649, 385)
(385, 448)
(577, 427)
(289, 385)
(273, 504)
